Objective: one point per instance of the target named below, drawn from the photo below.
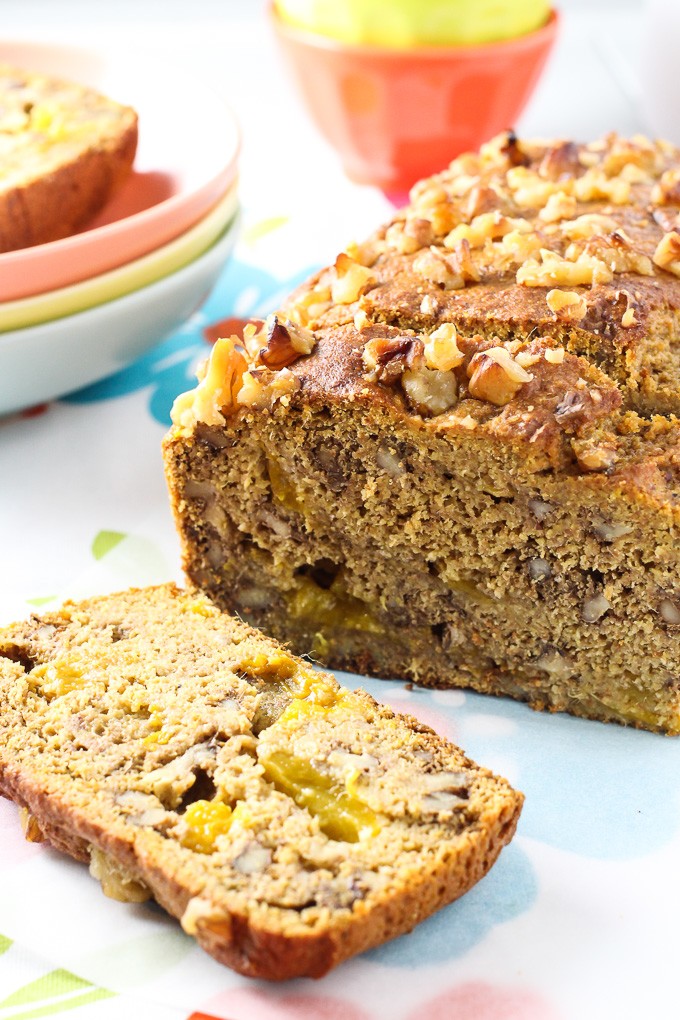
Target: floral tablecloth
(577, 919)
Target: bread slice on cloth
(287, 822)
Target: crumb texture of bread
(454, 455)
(287, 822)
(64, 149)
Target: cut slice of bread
(64, 149)
(289, 823)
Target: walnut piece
(616, 251)
(566, 305)
(429, 391)
(386, 358)
(215, 396)
(495, 376)
(586, 269)
(286, 342)
(351, 280)
(667, 254)
(261, 388)
(441, 349)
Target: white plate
(46, 361)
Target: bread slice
(64, 149)
(287, 822)
(454, 456)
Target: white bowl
(43, 362)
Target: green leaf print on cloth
(105, 541)
(50, 994)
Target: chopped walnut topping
(430, 391)
(261, 388)
(410, 235)
(285, 343)
(386, 358)
(637, 151)
(310, 306)
(366, 254)
(628, 318)
(441, 349)
(351, 280)
(566, 305)
(586, 269)
(595, 185)
(529, 190)
(435, 267)
(487, 226)
(560, 206)
(559, 161)
(495, 376)
(461, 260)
(215, 395)
(480, 200)
(518, 246)
(587, 225)
(616, 250)
(667, 254)
(667, 190)
(468, 164)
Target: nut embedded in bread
(64, 149)
(287, 822)
(473, 477)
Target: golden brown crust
(65, 149)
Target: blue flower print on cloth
(507, 891)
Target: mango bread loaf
(64, 149)
(454, 456)
(287, 822)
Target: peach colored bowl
(394, 115)
(187, 157)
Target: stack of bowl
(75, 310)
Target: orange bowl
(396, 115)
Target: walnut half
(495, 376)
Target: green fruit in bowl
(407, 23)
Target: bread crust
(66, 149)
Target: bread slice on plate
(454, 455)
(287, 822)
(64, 149)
